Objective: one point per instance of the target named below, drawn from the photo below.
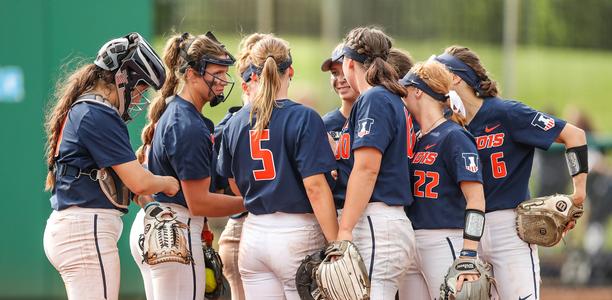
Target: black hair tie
(184, 37)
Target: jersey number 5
(268, 172)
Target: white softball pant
(385, 239)
(271, 250)
(516, 266)
(436, 251)
(229, 246)
(172, 280)
(81, 243)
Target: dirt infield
(582, 293)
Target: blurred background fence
(555, 55)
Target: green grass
(546, 78)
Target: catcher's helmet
(134, 62)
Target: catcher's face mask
(208, 67)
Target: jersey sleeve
(189, 150)
(312, 152)
(461, 157)
(373, 123)
(531, 127)
(224, 159)
(106, 138)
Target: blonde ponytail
(267, 54)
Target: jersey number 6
(268, 172)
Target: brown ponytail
(488, 86)
(375, 44)
(267, 54)
(440, 80)
(158, 106)
(67, 90)
(177, 49)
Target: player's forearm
(572, 137)
(358, 193)
(322, 202)
(140, 180)
(216, 205)
(474, 196)
(579, 182)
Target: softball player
(400, 60)
(374, 147)
(507, 133)
(446, 178)
(229, 242)
(272, 150)
(180, 141)
(87, 138)
(335, 119)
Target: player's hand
(344, 235)
(332, 144)
(465, 277)
(172, 186)
(578, 197)
(570, 225)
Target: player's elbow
(368, 170)
(141, 187)
(316, 187)
(573, 136)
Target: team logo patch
(543, 121)
(365, 125)
(471, 161)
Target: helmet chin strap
(121, 83)
(210, 84)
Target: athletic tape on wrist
(577, 159)
(474, 224)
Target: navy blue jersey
(378, 120)
(182, 146)
(94, 137)
(219, 182)
(443, 159)
(506, 134)
(334, 121)
(269, 167)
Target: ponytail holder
(456, 104)
(270, 56)
(184, 37)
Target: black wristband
(577, 159)
(474, 224)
